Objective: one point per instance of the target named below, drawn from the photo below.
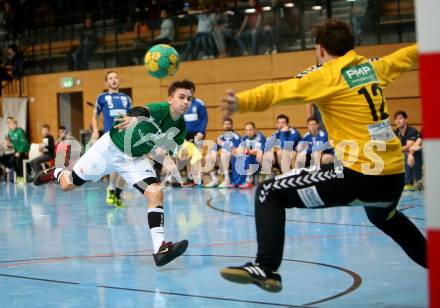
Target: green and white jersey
(160, 130)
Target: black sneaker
(253, 273)
(169, 251)
(44, 177)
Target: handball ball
(161, 61)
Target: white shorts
(104, 158)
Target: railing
(288, 25)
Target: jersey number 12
(376, 90)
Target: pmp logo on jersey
(359, 75)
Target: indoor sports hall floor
(71, 250)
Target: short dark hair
(401, 113)
(45, 126)
(108, 73)
(250, 123)
(335, 36)
(10, 118)
(283, 116)
(193, 86)
(180, 84)
(62, 127)
(228, 120)
(309, 119)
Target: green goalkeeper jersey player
(154, 130)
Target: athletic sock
(57, 173)
(213, 176)
(156, 223)
(118, 192)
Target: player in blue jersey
(284, 141)
(252, 146)
(314, 148)
(196, 120)
(228, 142)
(111, 104)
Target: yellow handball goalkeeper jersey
(349, 93)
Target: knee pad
(142, 185)
(76, 180)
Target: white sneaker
(225, 184)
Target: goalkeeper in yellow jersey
(348, 89)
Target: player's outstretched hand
(229, 104)
(125, 122)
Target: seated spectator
(411, 147)
(88, 43)
(18, 142)
(252, 147)
(250, 29)
(314, 148)
(166, 35)
(224, 30)
(47, 150)
(273, 19)
(12, 68)
(228, 142)
(284, 142)
(12, 20)
(3, 30)
(203, 39)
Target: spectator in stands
(18, 142)
(411, 141)
(3, 30)
(273, 20)
(44, 15)
(166, 35)
(47, 150)
(203, 39)
(284, 142)
(250, 28)
(314, 148)
(252, 147)
(223, 29)
(13, 66)
(358, 11)
(12, 23)
(228, 142)
(88, 43)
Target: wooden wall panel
(407, 85)
(243, 68)
(412, 106)
(287, 65)
(200, 72)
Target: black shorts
(190, 136)
(329, 187)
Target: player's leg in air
(136, 171)
(326, 188)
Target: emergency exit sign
(67, 82)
